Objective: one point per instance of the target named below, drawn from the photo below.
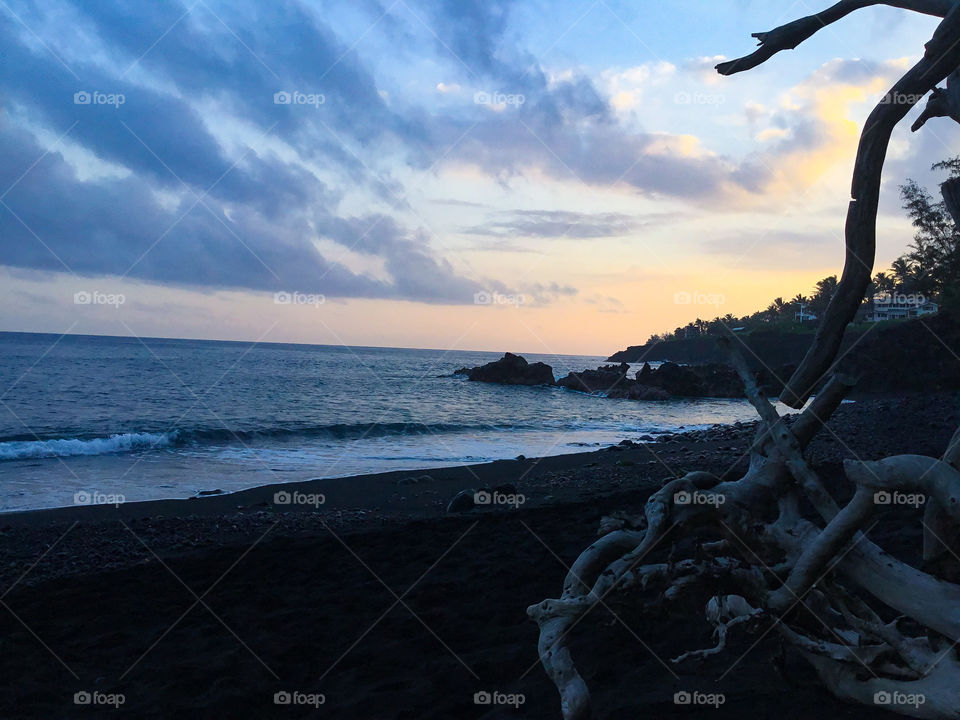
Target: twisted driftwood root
(857, 655)
(751, 532)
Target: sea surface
(86, 417)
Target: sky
(500, 175)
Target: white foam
(121, 442)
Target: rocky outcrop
(761, 348)
(669, 380)
(511, 370)
(918, 355)
(602, 380)
(713, 380)
(612, 381)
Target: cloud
(817, 124)
(573, 131)
(550, 292)
(190, 210)
(51, 221)
(213, 183)
(562, 223)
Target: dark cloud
(247, 217)
(472, 30)
(245, 220)
(51, 221)
(596, 153)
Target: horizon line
(275, 342)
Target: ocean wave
(66, 447)
(20, 448)
(336, 431)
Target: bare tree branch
(942, 57)
(787, 37)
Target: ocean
(84, 416)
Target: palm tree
(827, 287)
(883, 283)
(821, 297)
(902, 273)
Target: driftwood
(751, 534)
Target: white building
(900, 307)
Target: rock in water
(513, 370)
(602, 380)
(707, 380)
(612, 381)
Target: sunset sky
(542, 177)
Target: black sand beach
(385, 604)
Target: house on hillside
(900, 307)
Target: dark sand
(385, 604)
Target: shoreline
(374, 492)
(307, 600)
(372, 501)
(247, 496)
